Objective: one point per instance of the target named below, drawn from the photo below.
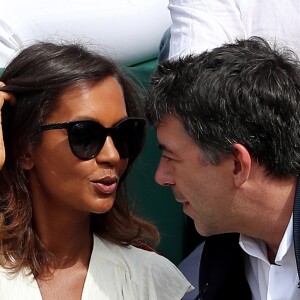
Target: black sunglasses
(86, 137)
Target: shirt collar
(257, 248)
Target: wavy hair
(38, 76)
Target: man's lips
(184, 203)
(181, 200)
(106, 185)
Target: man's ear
(26, 160)
(242, 164)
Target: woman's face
(59, 180)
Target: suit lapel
(222, 274)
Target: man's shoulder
(217, 258)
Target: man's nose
(164, 173)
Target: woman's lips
(106, 185)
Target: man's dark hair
(245, 92)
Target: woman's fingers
(4, 96)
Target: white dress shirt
(199, 25)
(114, 273)
(267, 281)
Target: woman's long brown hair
(37, 77)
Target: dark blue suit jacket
(222, 274)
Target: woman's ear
(242, 164)
(26, 160)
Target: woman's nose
(109, 153)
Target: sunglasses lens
(129, 137)
(86, 139)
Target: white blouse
(114, 272)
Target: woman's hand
(4, 96)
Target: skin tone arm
(11, 99)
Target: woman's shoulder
(147, 270)
(131, 254)
(18, 285)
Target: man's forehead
(171, 121)
(171, 133)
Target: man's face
(205, 190)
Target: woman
(66, 230)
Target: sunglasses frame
(107, 131)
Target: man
(228, 124)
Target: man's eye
(167, 157)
